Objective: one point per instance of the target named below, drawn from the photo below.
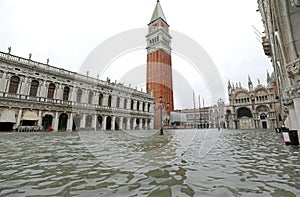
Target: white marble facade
(37, 94)
(256, 107)
(281, 44)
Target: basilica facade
(36, 94)
(256, 107)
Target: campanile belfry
(159, 63)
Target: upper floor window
(100, 101)
(79, 95)
(263, 116)
(131, 105)
(14, 84)
(125, 103)
(34, 88)
(66, 93)
(118, 103)
(138, 106)
(51, 89)
(109, 101)
(91, 96)
(143, 106)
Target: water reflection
(180, 163)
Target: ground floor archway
(99, 122)
(47, 121)
(117, 123)
(6, 126)
(63, 121)
(137, 122)
(7, 120)
(143, 123)
(76, 122)
(29, 118)
(264, 124)
(108, 123)
(88, 121)
(131, 123)
(124, 124)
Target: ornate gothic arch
(262, 108)
(244, 111)
(241, 92)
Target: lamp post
(161, 108)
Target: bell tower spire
(159, 62)
(158, 13)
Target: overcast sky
(67, 31)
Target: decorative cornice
(287, 105)
(295, 3)
(293, 92)
(293, 68)
(60, 72)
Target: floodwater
(143, 163)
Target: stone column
(22, 89)
(235, 124)
(113, 101)
(291, 119)
(19, 118)
(40, 118)
(104, 123)
(274, 124)
(113, 122)
(96, 99)
(105, 100)
(121, 103)
(42, 89)
(121, 123)
(134, 123)
(70, 122)
(128, 124)
(85, 95)
(72, 96)
(94, 122)
(141, 124)
(151, 109)
(82, 123)
(3, 83)
(55, 126)
(151, 123)
(57, 92)
(297, 112)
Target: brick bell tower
(159, 64)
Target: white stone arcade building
(37, 94)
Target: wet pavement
(144, 163)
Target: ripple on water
(180, 163)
